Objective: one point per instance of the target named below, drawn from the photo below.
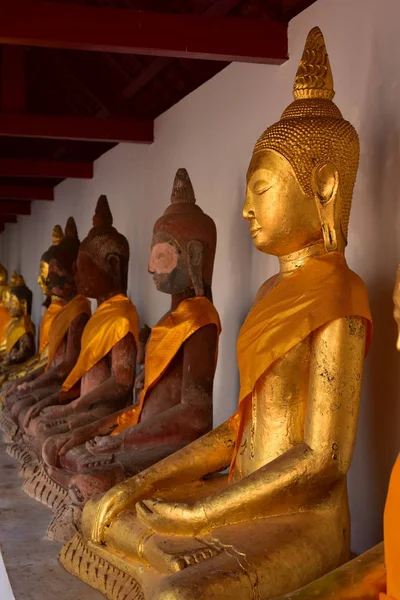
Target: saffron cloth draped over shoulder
(47, 321)
(111, 322)
(18, 328)
(164, 343)
(62, 320)
(392, 536)
(5, 320)
(323, 290)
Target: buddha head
(3, 281)
(103, 259)
(62, 261)
(183, 245)
(42, 280)
(16, 280)
(302, 173)
(20, 303)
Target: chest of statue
(168, 390)
(275, 413)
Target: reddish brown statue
(175, 405)
(64, 346)
(107, 361)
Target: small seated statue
(107, 361)
(64, 342)
(36, 366)
(5, 317)
(175, 405)
(280, 519)
(20, 337)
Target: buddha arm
(57, 374)
(192, 417)
(120, 383)
(308, 469)
(209, 454)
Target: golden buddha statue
(5, 317)
(375, 575)
(280, 519)
(53, 304)
(20, 338)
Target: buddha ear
(195, 253)
(114, 264)
(24, 306)
(325, 185)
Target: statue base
(93, 566)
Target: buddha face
(42, 278)
(3, 277)
(16, 306)
(169, 264)
(61, 283)
(6, 298)
(281, 217)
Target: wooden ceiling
(68, 93)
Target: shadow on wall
(379, 429)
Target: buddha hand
(105, 444)
(22, 389)
(51, 449)
(37, 408)
(175, 518)
(51, 413)
(110, 505)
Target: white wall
(212, 133)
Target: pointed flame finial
(70, 228)
(182, 190)
(57, 235)
(314, 76)
(102, 216)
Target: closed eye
(259, 190)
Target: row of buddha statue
(112, 422)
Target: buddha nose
(248, 212)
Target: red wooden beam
(26, 192)
(8, 219)
(15, 208)
(12, 79)
(77, 128)
(55, 25)
(17, 167)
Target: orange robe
(323, 290)
(111, 322)
(62, 320)
(392, 536)
(164, 343)
(17, 328)
(5, 320)
(46, 324)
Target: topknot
(57, 235)
(14, 279)
(182, 190)
(102, 216)
(4, 272)
(70, 228)
(314, 75)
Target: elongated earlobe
(325, 184)
(195, 252)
